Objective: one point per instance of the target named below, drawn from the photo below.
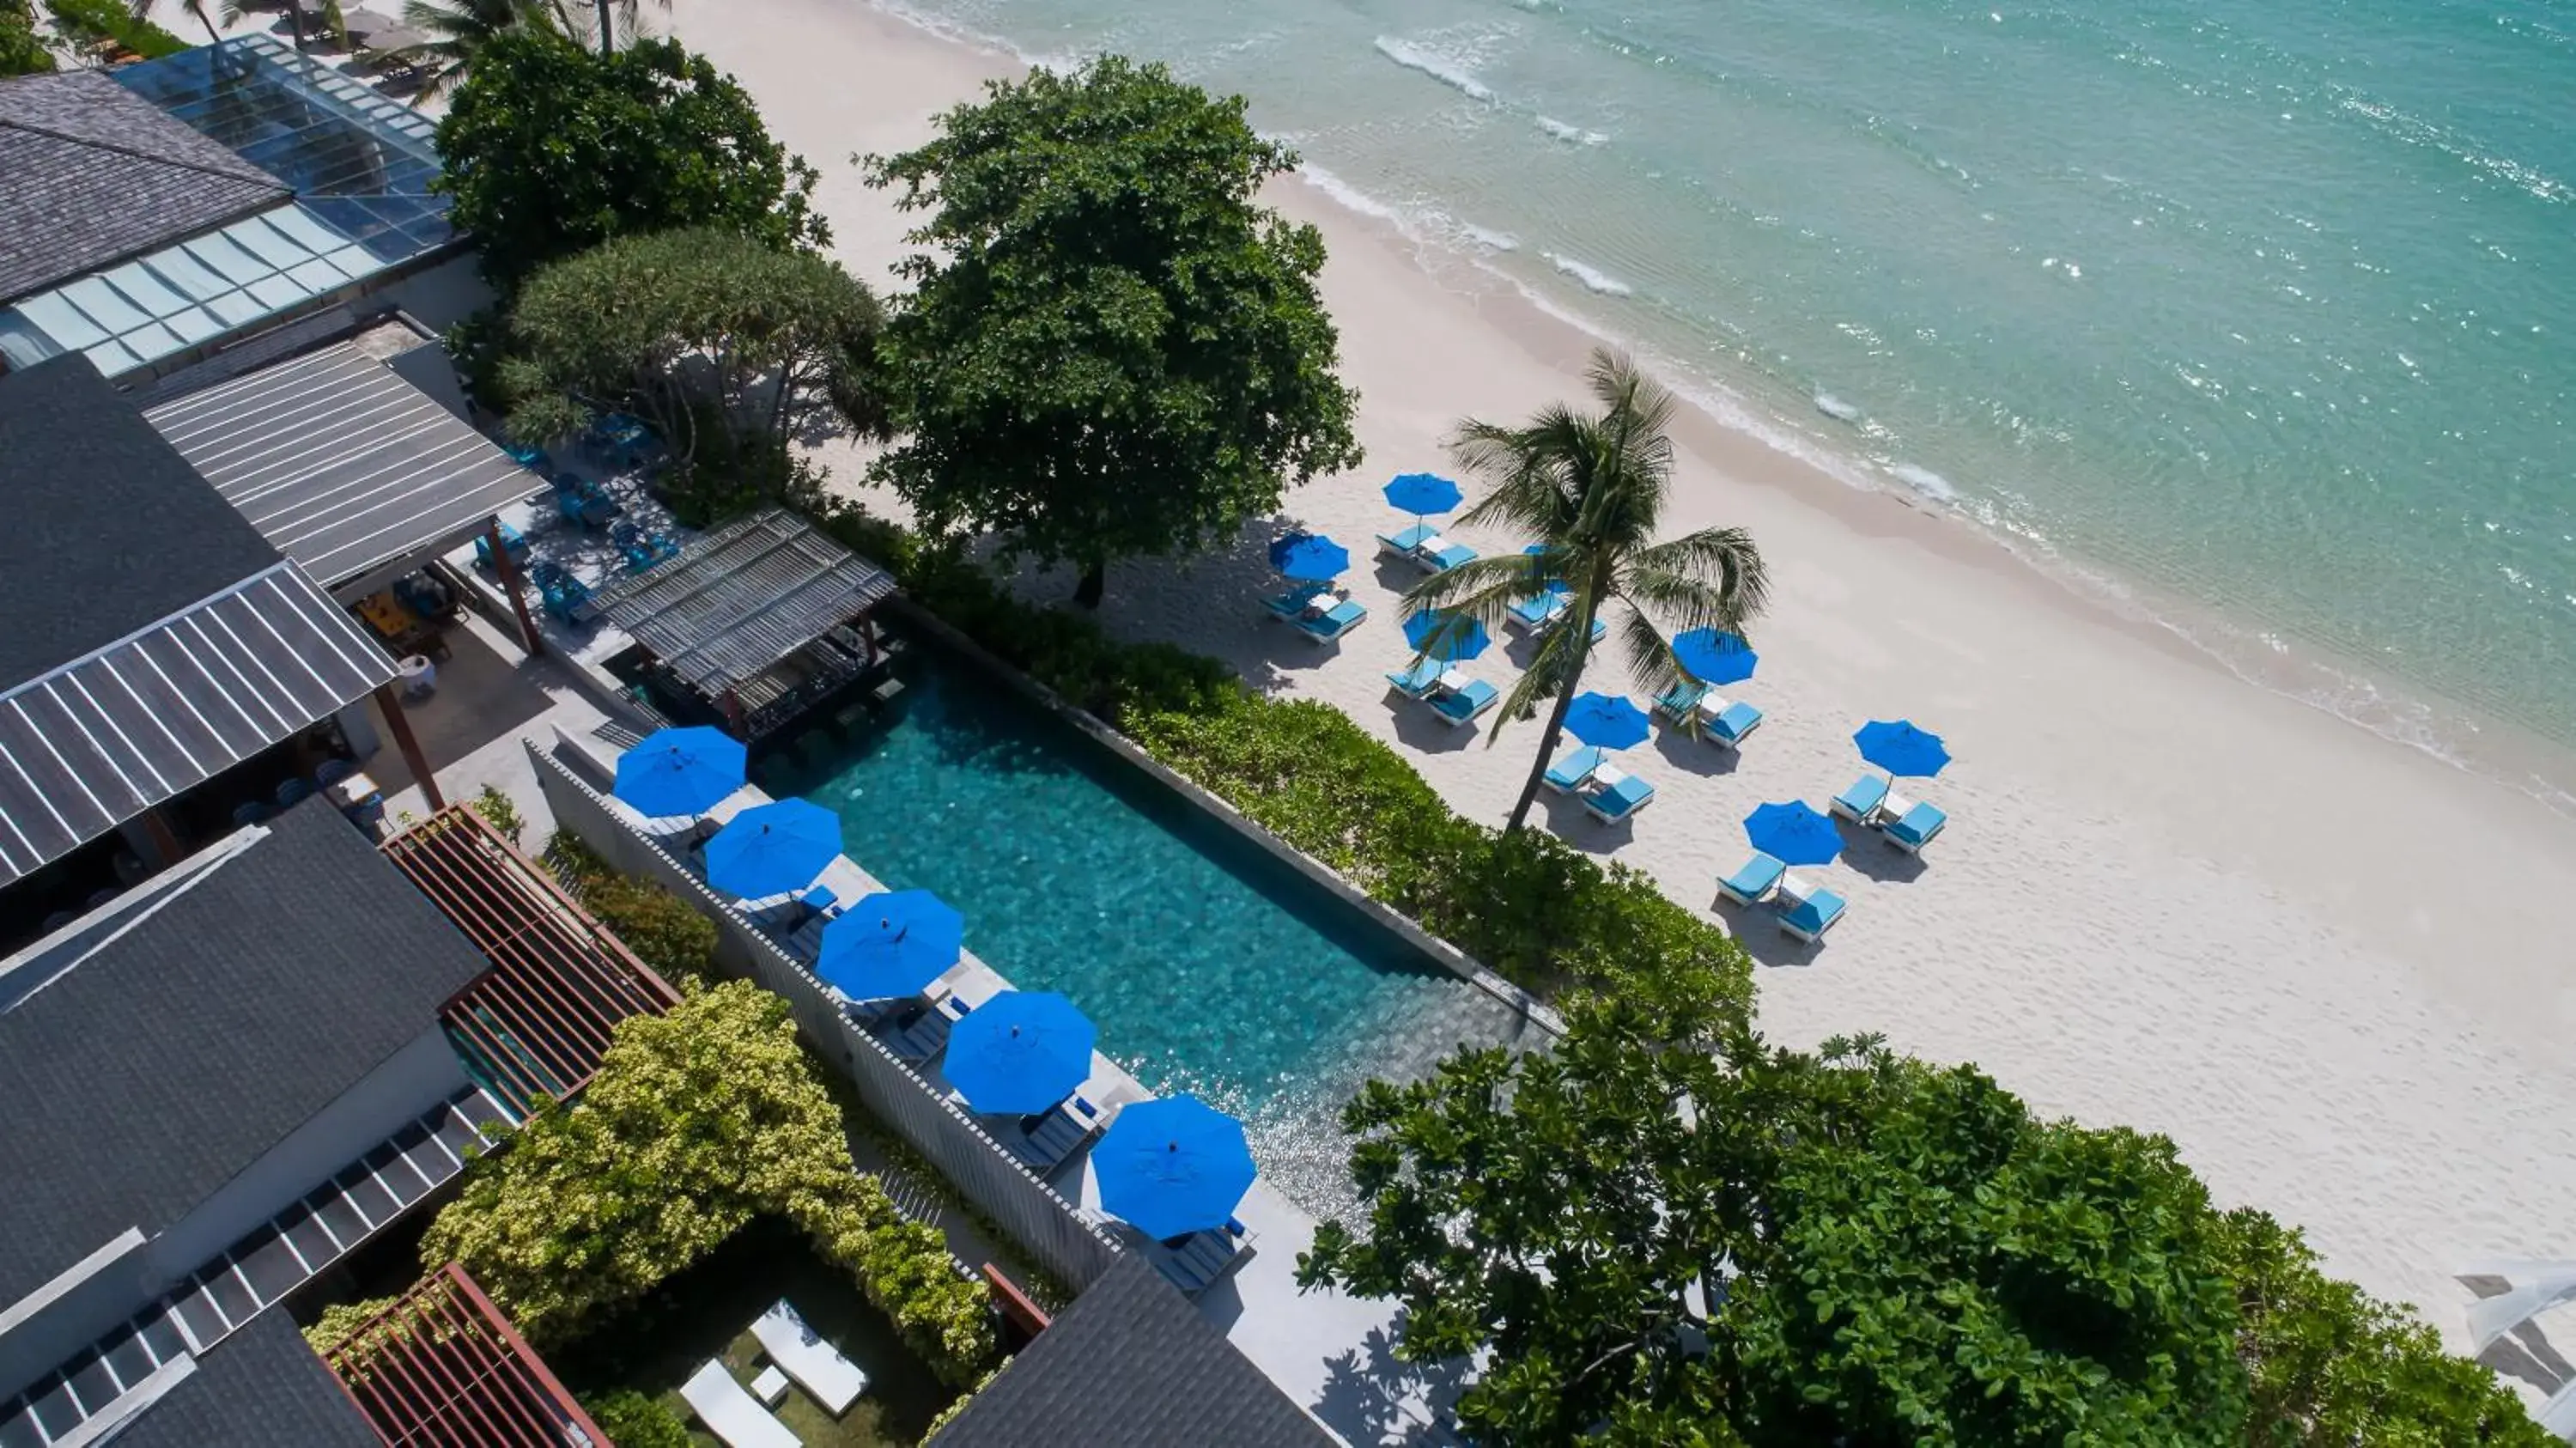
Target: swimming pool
(1208, 965)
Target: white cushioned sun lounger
(731, 1412)
(803, 1354)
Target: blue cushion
(1863, 796)
(1754, 878)
(1681, 699)
(1451, 556)
(1408, 540)
(1574, 768)
(1417, 680)
(1918, 827)
(1624, 798)
(1736, 721)
(1820, 911)
(1468, 702)
(1537, 611)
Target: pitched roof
(1131, 1365)
(232, 1007)
(109, 528)
(261, 1388)
(98, 173)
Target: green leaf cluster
(676, 942)
(723, 342)
(637, 1420)
(90, 21)
(22, 50)
(1111, 349)
(550, 150)
(341, 1320)
(1528, 905)
(696, 1122)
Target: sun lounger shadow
(1419, 729)
(1692, 756)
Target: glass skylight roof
(361, 166)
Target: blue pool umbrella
(1172, 1166)
(679, 771)
(1606, 721)
(1793, 834)
(1714, 656)
(893, 943)
(1900, 748)
(1420, 493)
(1019, 1053)
(1309, 557)
(1447, 637)
(774, 848)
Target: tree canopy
(713, 337)
(22, 50)
(1743, 1245)
(550, 150)
(1111, 350)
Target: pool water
(1207, 965)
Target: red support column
(509, 572)
(389, 703)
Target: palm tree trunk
(607, 36)
(1546, 752)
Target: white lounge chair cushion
(1894, 806)
(1454, 681)
(731, 1412)
(804, 1355)
(1794, 891)
(1608, 776)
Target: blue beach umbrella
(1793, 834)
(1420, 493)
(1713, 656)
(1448, 637)
(679, 771)
(1900, 748)
(890, 944)
(1019, 1053)
(1606, 721)
(1309, 557)
(1556, 586)
(774, 848)
(1173, 1166)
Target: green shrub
(96, 20)
(677, 942)
(341, 1319)
(1530, 906)
(632, 1420)
(500, 812)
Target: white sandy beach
(2332, 969)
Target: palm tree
(458, 32)
(1589, 487)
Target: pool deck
(1332, 1354)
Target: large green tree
(711, 336)
(1112, 349)
(22, 50)
(458, 30)
(1589, 488)
(550, 150)
(1666, 1232)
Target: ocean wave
(1444, 69)
(1837, 409)
(1573, 134)
(1348, 196)
(1489, 240)
(1593, 278)
(1925, 482)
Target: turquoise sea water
(1207, 965)
(2269, 308)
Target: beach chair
(512, 543)
(1403, 545)
(1043, 1143)
(1417, 680)
(1535, 614)
(1436, 554)
(1614, 796)
(1574, 768)
(921, 1032)
(1202, 1259)
(1753, 881)
(731, 1412)
(1909, 824)
(1556, 620)
(532, 458)
(1458, 700)
(1717, 719)
(809, 1358)
(1332, 623)
(1807, 910)
(1860, 803)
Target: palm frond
(1483, 588)
(1724, 561)
(1652, 665)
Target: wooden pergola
(539, 1020)
(442, 1368)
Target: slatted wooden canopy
(442, 1368)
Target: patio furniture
(1718, 720)
(1613, 795)
(1574, 768)
(562, 595)
(806, 1356)
(513, 543)
(920, 1032)
(1909, 824)
(1807, 910)
(1860, 803)
(1322, 623)
(731, 1412)
(1198, 1261)
(1042, 1145)
(1753, 881)
(640, 548)
(770, 1385)
(1458, 699)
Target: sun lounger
(731, 1412)
(1614, 795)
(1908, 824)
(1404, 544)
(1573, 769)
(1058, 1134)
(1534, 614)
(1302, 599)
(1458, 700)
(1860, 803)
(1200, 1260)
(1334, 622)
(1719, 720)
(1753, 881)
(804, 1354)
(1554, 621)
(918, 1033)
(1807, 910)
(1422, 546)
(1417, 681)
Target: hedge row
(1528, 905)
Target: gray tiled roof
(1132, 1365)
(261, 1388)
(97, 174)
(186, 1047)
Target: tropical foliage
(90, 22)
(22, 50)
(1589, 489)
(696, 1122)
(1111, 350)
(1756, 1246)
(677, 942)
(636, 1420)
(341, 1320)
(730, 348)
(550, 150)
(459, 30)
